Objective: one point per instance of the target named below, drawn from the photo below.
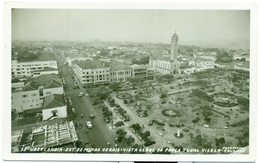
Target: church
(168, 65)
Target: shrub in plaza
(159, 122)
(124, 96)
(149, 143)
(172, 124)
(176, 135)
(119, 124)
(170, 112)
(195, 120)
(186, 130)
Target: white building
(69, 51)
(119, 71)
(54, 106)
(91, 72)
(30, 96)
(167, 65)
(20, 69)
(70, 59)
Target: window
(31, 105)
(87, 72)
(25, 96)
(32, 100)
(47, 93)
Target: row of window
(93, 72)
(35, 94)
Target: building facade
(91, 72)
(167, 65)
(20, 69)
(30, 96)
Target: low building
(243, 66)
(29, 98)
(54, 106)
(53, 135)
(70, 59)
(16, 140)
(20, 69)
(203, 62)
(225, 65)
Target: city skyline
(196, 27)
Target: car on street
(226, 127)
(91, 116)
(81, 94)
(139, 137)
(168, 141)
(133, 131)
(140, 115)
(89, 124)
(160, 134)
(150, 123)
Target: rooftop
(53, 135)
(47, 69)
(244, 65)
(53, 101)
(117, 65)
(89, 64)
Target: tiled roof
(30, 87)
(53, 83)
(53, 101)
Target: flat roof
(54, 134)
(89, 64)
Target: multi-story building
(91, 72)
(69, 51)
(203, 62)
(119, 71)
(28, 98)
(20, 69)
(168, 65)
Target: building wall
(61, 112)
(92, 76)
(35, 74)
(24, 100)
(49, 91)
(27, 68)
(119, 75)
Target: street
(100, 134)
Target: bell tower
(174, 47)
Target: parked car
(139, 137)
(150, 123)
(160, 134)
(168, 141)
(91, 116)
(89, 124)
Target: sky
(140, 25)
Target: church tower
(175, 65)
(174, 47)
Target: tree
(164, 95)
(129, 140)
(114, 86)
(144, 60)
(119, 124)
(147, 134)
(136, 126)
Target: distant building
(69, 51)
(203, 62)
(70, 59)
(225, 65)
(243, 66)
(54, 106)
(167, 65)
(20, 69)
